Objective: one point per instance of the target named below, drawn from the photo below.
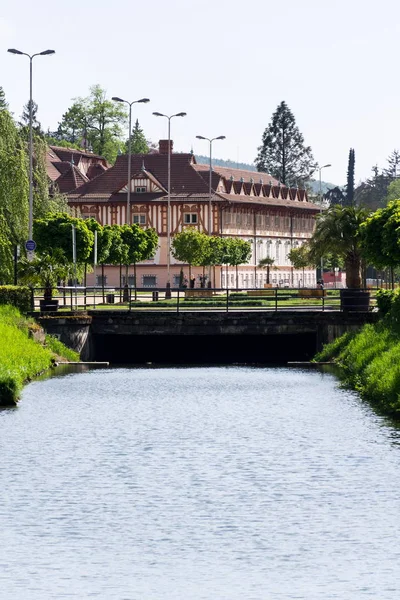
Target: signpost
(30, 247)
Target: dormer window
(141, 189)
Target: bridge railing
(201, 299)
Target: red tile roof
(237, 174)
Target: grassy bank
(21, 357)
(370, 359)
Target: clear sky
(227, 63)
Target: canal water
(200, 483)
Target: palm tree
(266, 263)
(337, 232)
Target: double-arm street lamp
(157, 114)
(31, 57)
(320, 200)
(210, 140)
(142, 101)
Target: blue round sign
(30, 245)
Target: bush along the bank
(16, 295)
(21, 357)
(370, 359)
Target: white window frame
(139, 218)
(190, 218)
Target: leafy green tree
(188, 246)
(266, 263)
(236, 252)
(282, 153)
(300, 258)
(139, 144)
(141, 244)
(55, 231)
(337, 232)
(14, 181)
(97, 120)
(349, 199)
(393, 191)
(119, 251)
(6, 254)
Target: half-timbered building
(250, 205)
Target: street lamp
(128, 201)
(157, 114)
(320, 200)
(200, 137)
(31, 57)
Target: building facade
(245, 204)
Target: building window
(149, 280)
(139, 219)
(131, 280)
(100, 280)
(141, 189)
(190, 218)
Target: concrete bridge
(201, 337)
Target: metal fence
(201, 299)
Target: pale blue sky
(228, 64)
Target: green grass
(21, 357)
(60, 349)
(370, 364)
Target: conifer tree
(3, 102)
(139, 143)
(282, 153)
(392, 171)
(24, 123)
(349, 199)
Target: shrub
(16, 295)
(384, 300)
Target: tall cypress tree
(349, 199)
(282, 153)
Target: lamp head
(221, 137)
(47, 52)
(116, 99)
(157, 114)
(181, 114)
(325, 166)
(200, 137)
(143, 100)
(14, 51)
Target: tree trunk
(353, 271)
(237, 278)
(134, 277)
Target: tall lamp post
(128, 201)
(31, 57)
(210, 140)
(157, 114)
(320, 200)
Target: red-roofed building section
(69, 168)
(250, 205)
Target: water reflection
(210, 482)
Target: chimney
(163, 146)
